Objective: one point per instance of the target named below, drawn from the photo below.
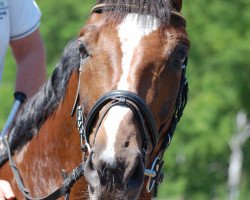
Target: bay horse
(99, 126)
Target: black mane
(158, 8)
(36, 110)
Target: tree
(196, 162)
(218, 72)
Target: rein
(64, 189)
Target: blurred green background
(197, 161)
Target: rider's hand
(6, 191)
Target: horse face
(136, 54)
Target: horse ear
(177, 5)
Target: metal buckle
(80, 126)
(155, 175)
(80, 120)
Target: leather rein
(146, 122)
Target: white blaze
(111, 125)
(130, 31)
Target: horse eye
(82, 49)
(181, 55)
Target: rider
(19, 28)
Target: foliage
(60, 23)
(218, 71)
(196, 162)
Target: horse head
(131, 89)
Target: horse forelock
(39, 107)
(158, 8)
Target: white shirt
(18, 18)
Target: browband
(110, 7)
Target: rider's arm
(30, 57)
(27, 45)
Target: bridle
(130, 8)
(126, 99)
(145, 119)
(146, 123)
(143, 115)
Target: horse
(99, 127)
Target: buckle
(155, 174)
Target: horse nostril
(136, 178)
(104, 174)
(126, 144)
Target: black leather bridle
(146, 124)
(128, 99)
(145, 119)
(141, 111)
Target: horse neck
(56, 146)
(59, 131)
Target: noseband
(128, 99)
